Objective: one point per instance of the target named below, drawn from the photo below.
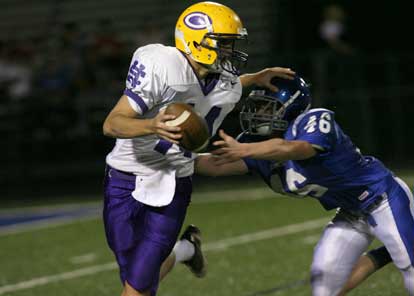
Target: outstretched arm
(208, 165)
(263, 77)
(273, 149)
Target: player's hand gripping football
(169, 133)
(230, 149)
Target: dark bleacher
(52, 138)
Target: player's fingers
(218, 151)
(228, 139)
(170, 135)
(219, 143)
(166, 117)
(271, 87)
(161, 114)
(175, 136)
(287, 76)
(289, 72)
(285, 73)
(223, 134)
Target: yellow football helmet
(207, 31)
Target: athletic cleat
(197, 264)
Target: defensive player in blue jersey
(304, 152)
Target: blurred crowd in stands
(52, 82)
(60, 65)
(61, 83)
(57, 87)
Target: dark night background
(78, 54)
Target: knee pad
(379, 257)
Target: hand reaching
(230, 149)
(264, 76)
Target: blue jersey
(338, 176)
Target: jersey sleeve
(145, 81)
(317, 128)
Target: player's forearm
(280, 150)
(205, 165)
(124, 127)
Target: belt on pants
(371, 207)
(375, 204)
(114, 173)
(111, 172)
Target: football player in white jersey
(148, 177)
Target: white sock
(183, 250)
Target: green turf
(276, 263)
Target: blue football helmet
(264, 112)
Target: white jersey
(159, 75)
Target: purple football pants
(141, 236)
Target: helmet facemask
(269, 113)
(263, 115)
(228, 59)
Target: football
(194, 129)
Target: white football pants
(346, 237)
